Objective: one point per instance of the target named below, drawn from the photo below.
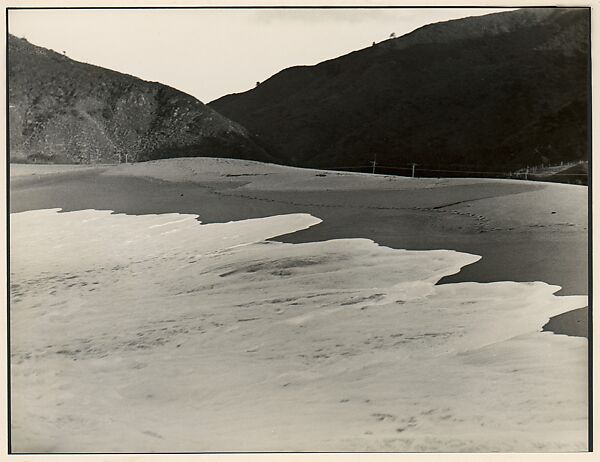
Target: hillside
(64, 111)
(490, 93)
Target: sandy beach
(236, 306)
(525, 231)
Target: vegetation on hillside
(66, 111)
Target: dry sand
(18, 171)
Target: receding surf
(159, 333)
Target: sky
(210, 53)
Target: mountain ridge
(407, 98)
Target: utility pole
(413, 169)
(374, 162)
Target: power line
(487, 172)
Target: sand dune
(259, 176)
(169, 335)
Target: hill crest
(63, 110)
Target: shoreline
(475, 216)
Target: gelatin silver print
(298, 229)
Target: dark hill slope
(66, 111)
(495, 92)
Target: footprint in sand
(152, 434)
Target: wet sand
(524, 231)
